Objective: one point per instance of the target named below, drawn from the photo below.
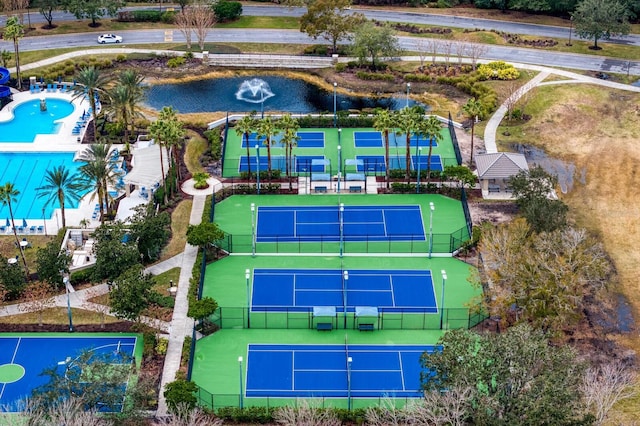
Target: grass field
(596, 129)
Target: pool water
(29, 121)
(27, 172)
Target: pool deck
(63, 141)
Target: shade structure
(146, 169)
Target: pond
(565, 171)
(273, 93)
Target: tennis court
(299, 163)
(302, 289)
(339, 223)
(305, 140)
(23, 359)
(354, 371)
(364, 139)
(376, 163)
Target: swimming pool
(29, 121)
(27, 171)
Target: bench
(365, 327)
(494, 188)
(324, 326)
(320, 189)
(355, 189)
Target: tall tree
(290, 127)
(98, 172)
(9, 196)
(93, 9)
(244, 127)
(46, 9)
(408, 123)
(597, 19)
(203, 19)
(14, 31)
(114, 252)
(61, 186)
(131, 293)
(267, 129)
(133, 82)
(473, 109)
(517, 377)
(90, 82)
(168, 132)
(430, 129)
(331, 20)
(384, 122)
(371, 41)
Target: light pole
(339, 158)
(408, 89)
(258, 168)
(341, 223)
(44, 222)
(432, 207)
(418, 182)
(570, 30)
(444, 279)
(335, 104)
(247, 275)
(345, 280)
(253, 229)
(349, 361)
(241, 392)
(65, 281)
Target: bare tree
(387, 414)
(203, 20)
(514, 92)
(443, 408)
(305, 413)
(447, 49)
(476, 51)
(68, 412)
(184, 21)
(605, 385)
(186, 416)
(433, 46)
(461, 48)
(38, 297)
(422, 46)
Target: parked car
(109, 38)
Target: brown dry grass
(59, 316)
(179, 224)
(598, 129)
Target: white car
(109, 38)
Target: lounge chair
(32, 229)
(40, 229)
(20, 229)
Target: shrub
(340, 67)
(227, 10)
(363, 75)
(498, 70)
(81, 277)
(168, 17)
(176, 62)
(200, 179)
(215, 143)
(161, 346)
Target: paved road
(392, 16)
(506, 53)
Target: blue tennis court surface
(302, 289)
(376, 163)
(306, 140)
(376, 140)
(27, 357)
(436, 162)
(291, 371)
(300, 163)
(324, 223)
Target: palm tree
(8, 195)
(133, 82)
(61, 186)
(473, 108)
(290, 138)
(90, 82)
(99, 171)
(244, 127)
(118, 107)
(167, 131)
(430, 129)
(268, 128)
(408, 121)
(14, 31)
(384, 122)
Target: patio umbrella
(8, 222)
(24, 223)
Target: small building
(494, 171)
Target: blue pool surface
(27, 172)
(29, 121)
